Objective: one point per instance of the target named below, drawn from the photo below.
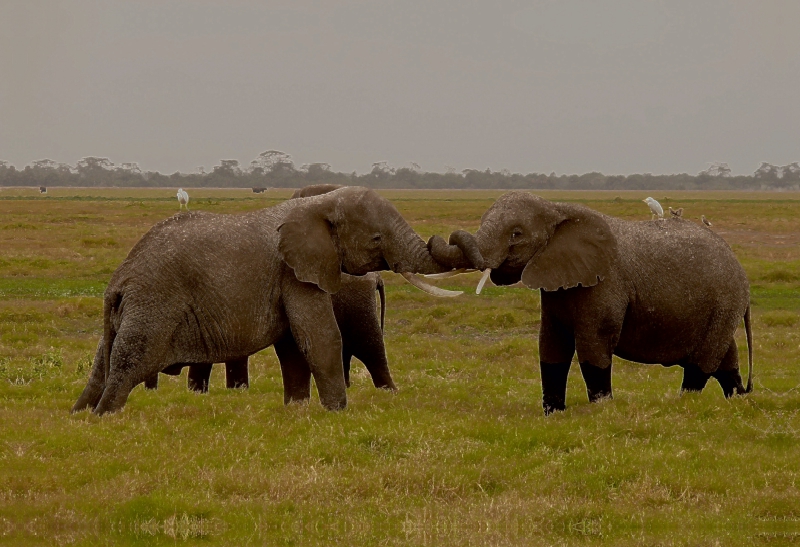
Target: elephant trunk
(409, 255)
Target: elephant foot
(554, 386)
(151, 382)
(598, 382)
(236, 374)
(199, 376)
(694, 379)
(731, 382)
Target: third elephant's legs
(198, 377)
(295, 370)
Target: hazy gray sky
(571, 86)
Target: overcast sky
(617, 86)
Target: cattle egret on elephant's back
(655, 207)
(705, 220)
(183, 199)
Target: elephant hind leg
(694, 379)
(598, 381)
(346, 358)
(728, 374)
(96, 384)
(135, 356)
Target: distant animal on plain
(183, 199)
(259, 189)
(42, 189)
(655, 207)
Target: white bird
(183, 199)
(655, 207)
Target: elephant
(359, 323)
(207, 288)
(363, 339)
(665, 291)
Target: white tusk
(430, 289)
(451, 273)
(482, 282)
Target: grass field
(461, 455)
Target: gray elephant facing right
(666, 292)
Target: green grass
(460, 455)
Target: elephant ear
(306, 245)
(581, 251)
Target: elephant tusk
(451, 273)
(482, 282)
(430, 289)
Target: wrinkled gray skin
(667, 291)
(209, 288)
(356, 316)
(359, 323)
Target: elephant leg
(135, 356)
(313, 325)
(94, 387)
(294, 369)
(371, 351)
(554, 386)
(728, 374)
(151, 382)
(347, 357)
(556, 348)
(694, 379)
(198, 377)
(598, 381)
(236, 374)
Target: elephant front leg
(236, 374)
(556, 348)
(199, 377)
(314, 328)
(598, 381)
(294, 369)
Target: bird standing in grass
(705, 220)
(677, 213)
(655, 207)
(183, 199)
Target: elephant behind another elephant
(360, 325)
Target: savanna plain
(460, 455)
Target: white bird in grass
(183, 199)
(655, 207)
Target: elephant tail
(382, 295)
(749, 332)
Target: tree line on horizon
(275, 169)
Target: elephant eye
(516, 233)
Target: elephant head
(546, 245)
(353, 230)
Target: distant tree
(767, 171)
(717, 169)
